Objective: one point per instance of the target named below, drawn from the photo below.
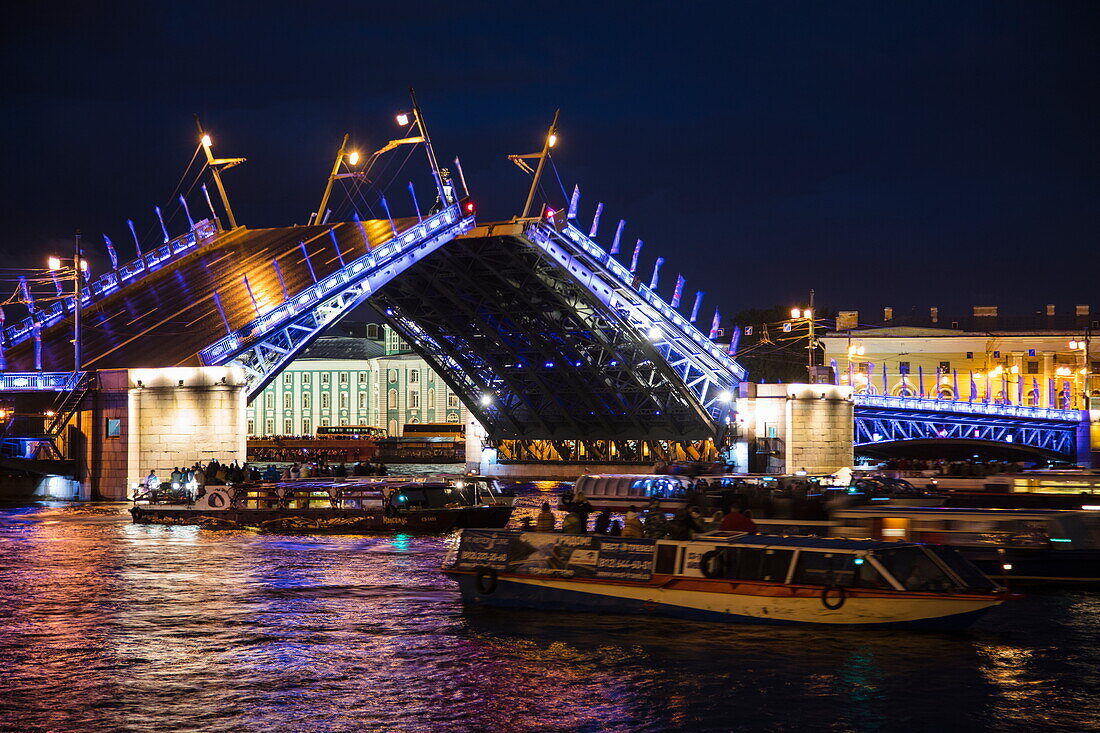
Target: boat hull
(777, 606)
(339, 520)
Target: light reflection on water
(107, 625)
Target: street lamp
(807, 314)
(79, 267)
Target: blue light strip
(39, 381)
(112, 281)
(965, 408)
(380, 264)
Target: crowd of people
(687, 522)
(193, 479)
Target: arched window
(945, 393)
(391, 375)
(414, 420)
(452, 417)
(431, 399)
(903, 389)
(1031, 399)
(391, 399)
(393, 429)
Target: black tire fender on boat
(390, 511)
(712, 564)
(216, 500)
(840, 598)
(486, 580)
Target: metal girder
(707, 371)
(533, 352)
(874, 426)
(266, 345)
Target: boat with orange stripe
(725, 576)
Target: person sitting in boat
(632, 525)
(656, 523)
(545, 520)
(272, 473)
(715, 521)
(603, 522)
(683, 525)
(735, 521)
(176, 477)
(574, 523)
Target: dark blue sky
(920, 153)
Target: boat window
(825, 568)
(960, 566)
(914, 569)
(666, 560)
(750, 563)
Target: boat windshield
(960, 566)
(915, 570)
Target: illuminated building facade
(1044, 360)
(346, 380)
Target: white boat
(725, 577)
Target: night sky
(905, 154)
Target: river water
(110, 626)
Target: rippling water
(106, 625)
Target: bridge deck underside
(495, 317)
(168, 316)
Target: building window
(452, 401)
(393, 429)
(343, 421)
(286, 399)
(251, 427)
(307, 426)
(288, 426)
(1032, 398)
(452, 417)
(414, 374)
(269, 397)
(970, 355)
(307, 378)
(391, 398)
(431, 399)
(414, 399)
(945, 367)
(954, 324)
(343, 377)
(362, 377)
(288, 378)
(307, 401)
(1033, 366)
(269, 424)
(391, 375)
(324, 398)
(325, 376)
(996, 355)
(324, 422)
(362, 400)
(372, 331)
(903, 366)
(343, 400)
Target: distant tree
(769, 353)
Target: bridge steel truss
(546, 338)
(266, 345)
(1054, 437)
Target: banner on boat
(557, 555)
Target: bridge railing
(629, 280)
(967, 408)
(286, 312)
(39, 381)
(111, 281)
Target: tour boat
(1021, 545)
(725, 577)
(327, 504)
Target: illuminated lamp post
(807, 314)
(79, 266)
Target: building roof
(343, 347)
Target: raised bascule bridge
(558, 350)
